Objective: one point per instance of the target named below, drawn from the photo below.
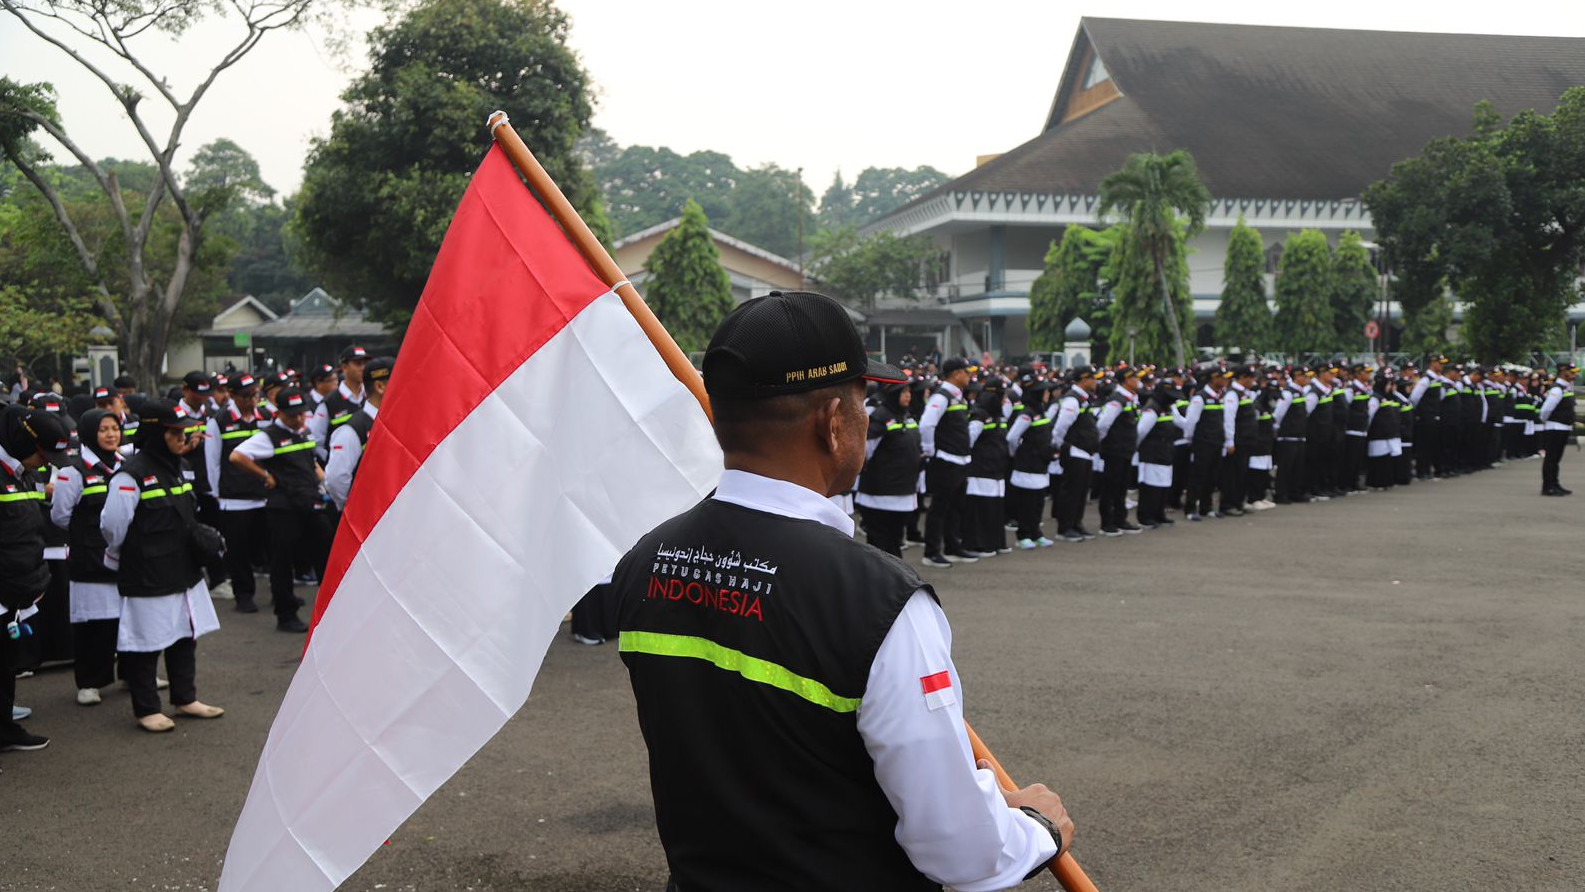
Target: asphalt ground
(1382, 692)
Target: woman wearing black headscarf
(149, 523)
(80, 492)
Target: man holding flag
(795, 687)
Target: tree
(836, 205)
(1150, 192)
(1072, 286)
(141, 305)
(32, 329)
(767, 209)
(688, 290)
(880, 190)
(1498, 217)
(1136, 311)
(857, 268)
(1243, 319)
(380, 190)
(1354, 290)
(645, 186)
(1304, 289)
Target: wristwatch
(1045, 822)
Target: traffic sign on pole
(1372, 330)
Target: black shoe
(1165, 521)
(1071, 536)
(290, 624)
(24, 743)
(1232, 512)
(1088, 534)
(1111, 531)
(963, 557)
(1130, 529)
(246, 605)
(935, 560)
(1563, 492)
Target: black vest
(234, 482)
(86, 561)
(23, 573)
(54, 536)
(1244, 420)
(340, 409)
(1208, 431)
(292, 466)
(1358, 410)
(989, 457)
(196, 463)
(1122, 438)
(1157, 447)
(1386, 423)
(1265, 440)
(894, 468)
(1430, 408)
(1034, 448)
(748, 639)
(1563, 412)
(156, 558)
(952, 432)
(1083, 433)
(1296, 420)
(1451, 407)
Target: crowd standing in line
(124, 517)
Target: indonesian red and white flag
(529, 436)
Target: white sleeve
(1284, 403)
(68, 489)
(212, 456)
(345, 451)
(319, 425)
(120, 503)
(1068, 411)
(1147, 423)
(934, 409)
(956, 828)
(257, 447)
(1553, 397)
(975, 429)
(1109, 413)
(1015, 434)
(1311, 400)
(1418, 393)
(1229, 414)
(1191, 420)
(1370, 411)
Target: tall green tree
(645, 186)
(1243, 320)
(380, 190)
(1137, 321)
(836, 205)
(880, 190)
(688, 290)
(1150, 193)
(858, 269)
(1072, 285)
(140, 279)
(1304, 291)
(1354, 291)
(768, 208)
(1497, 217)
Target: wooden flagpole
(1066, 869)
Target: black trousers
(245, 532)
(1552, 442)
(1355, 451)
(1027, 505)
(1116, 474)
(1152, 504)
(1404, 467)
(181, 668)
(293, 532)
(52, 625)
(984, 529)
(1426, 456)
(1182, 459)
(1055, 492)
(95, 641)
(1203, 477)
(947, 484)
(1075, 494)
(9, 652)
(1291, 470)
(1319, 463)
(884, 529)
(1256, 484)
(209, 514)
(1379, 473)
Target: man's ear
(830, 424)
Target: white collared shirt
(346, 450)
(956, 828)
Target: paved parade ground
(1378, 693)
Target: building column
(996, 280)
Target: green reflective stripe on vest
(341, 419)
(1039, 421)
(765, 672)
(161, 493)
(1361, 396)
(1245, 401)
(1325, 399)
(1213, 407)
(94, 490)
(1181, 404)
(21, 496)
(1265, 417)
(1164, 419)
(295, 447)
(894, 427)
(960, 407)
(238, 435)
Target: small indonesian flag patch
(938, 689)
(151, 481)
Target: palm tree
(1150, 192)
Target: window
(1097, 73)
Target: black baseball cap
(244, 383)
(198, 382)
(321, 372)
(354, 353)
(788, 342)
(290, 400)
(957, 363)
(49, 434)
(162, 412)
(378, 369)
(103, 393)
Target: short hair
(744, 425)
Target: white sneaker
(1027, 544)
(88, 697)
(223, 590)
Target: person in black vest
(239, 495)
(347, 442)
(1403, 464)
(1234, 469)
(888, 486)
(81, 489)
(985, 529)
(1292, 416)
(1076, 438)
(1472, 418)
(29, 440)
(1449, 426)
(149, 523)
(944, 437)
(1557, 419)
(1425, 395)
(1210, 422)
(1118, 427)
(852, 695)
(322, 382)
(1357, 397)
(1263, 446)
(1031, 449)
(51, 642)
(1381, 432)
(343, 402)
(281, 456)
(1182, 382)
(1157, 433)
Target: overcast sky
(820, 84)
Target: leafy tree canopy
(1243, 319)
(1073, 284)
(688, 290)
(1304, 288)
(1354, 292)
(858, 268)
